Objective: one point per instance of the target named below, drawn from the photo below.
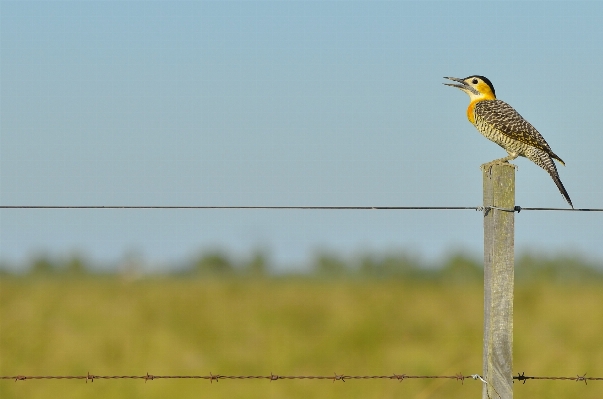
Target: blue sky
(288, 103)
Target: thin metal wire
(564, 209)
(273, 377)
(474, 208)
(217, 377)
(235, 207)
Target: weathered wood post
(499, 260)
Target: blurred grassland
(194, 325)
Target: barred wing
(502, 117)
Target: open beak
(463, 86)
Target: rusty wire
(273, 377)
(216, 377)
(583, 377)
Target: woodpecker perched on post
(499, 122)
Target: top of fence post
(499, 192)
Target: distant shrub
(213, 263)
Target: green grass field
(194, 326)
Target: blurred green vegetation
(193, 325)
(456, 267)
(368, 315)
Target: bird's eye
(474, 81)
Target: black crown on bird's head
(485, 79)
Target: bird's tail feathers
(557, 158)
(549, 166)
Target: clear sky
(288, 103)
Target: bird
(499, 122)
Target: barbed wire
(399, 208)
(583, 377)
(274, 377)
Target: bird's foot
(502, 162)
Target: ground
(290, 326)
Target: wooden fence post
(499, 259)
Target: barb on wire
(581, 378)
(522, 377)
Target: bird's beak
(463, 86)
